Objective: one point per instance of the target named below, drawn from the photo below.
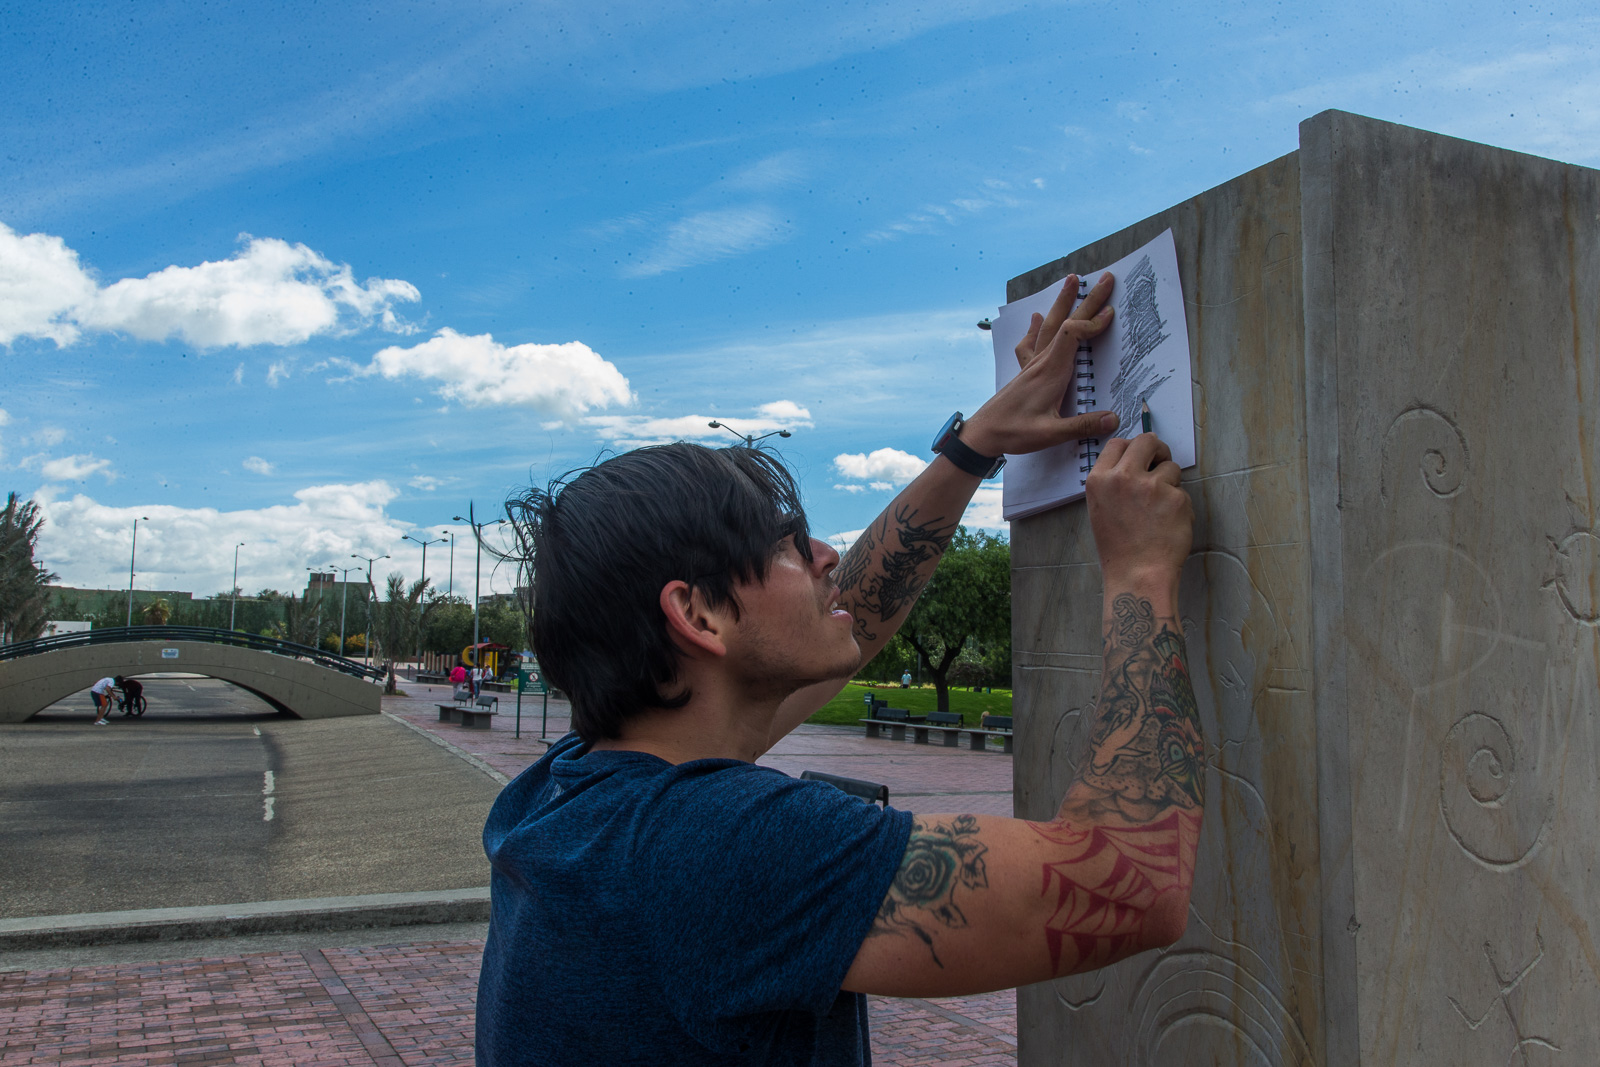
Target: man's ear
(696, 629)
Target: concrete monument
(1391, 610)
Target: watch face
(948, 428)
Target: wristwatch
(947, 442)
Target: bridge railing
(112, 635)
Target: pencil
(1144, 416)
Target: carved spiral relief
(1497, 820)
(1434, 443)
(1200, 1007)
(1577, 577)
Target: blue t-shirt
(704, 913)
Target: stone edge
(257, 917)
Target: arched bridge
(298, 679)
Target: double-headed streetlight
(372, 593)
(344, 595)
(748, 439)
(424, 542)
(233, 609)
(133, 553)
(477, 535)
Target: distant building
(65, 626)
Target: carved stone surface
(1393, 617)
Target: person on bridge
(658, 898)
(102, 691)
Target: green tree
(968, 599)
(449, 626)
(24, 596)
(301, 620)
(398, 619)
(157, 613)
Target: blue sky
(311, 278)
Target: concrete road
(214, 798)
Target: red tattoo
(1107, 880)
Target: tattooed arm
(983, 902)
(893, 558)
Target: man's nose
(823, 556)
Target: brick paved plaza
(411, 1003)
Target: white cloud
(49, 436)
(269, 293)
(563, 380)
(985, 510)
(277, 371)
(257, 464)
(636, 431)
(75, 468)
(40, 285)
(712, 235)
(885, 468)
(238, 375)
(192, 548)
(783, 168)
(933, 217)
(426, 482)
(842, 541)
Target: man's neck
(717, 723)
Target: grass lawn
(850, 705)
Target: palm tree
(24, 592)
(398, 620)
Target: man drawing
(660, 899)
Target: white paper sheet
(1142, 358)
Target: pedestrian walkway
(382, 1006)
(411, 1003)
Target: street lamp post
(233, 609)
(748, 439)
(424, 543)
(371, 595)
(133, 553)
(344, 596)
(477, 576)
(452, 590)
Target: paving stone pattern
(387, 1006)
(411, 1004)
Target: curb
(375, 910)
(463, 753)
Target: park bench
(871, 792)
(430, 678)
(449, 712)
(896, 719)
(481, 715)
(996, 726)
(462, 693)
(947, 724)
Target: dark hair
(604, 540)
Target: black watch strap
(951, 447)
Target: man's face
(791, 631)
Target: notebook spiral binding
(1089, 448)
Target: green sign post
(530, 680)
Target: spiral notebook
(1143, 358)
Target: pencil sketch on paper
(1141, 325)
